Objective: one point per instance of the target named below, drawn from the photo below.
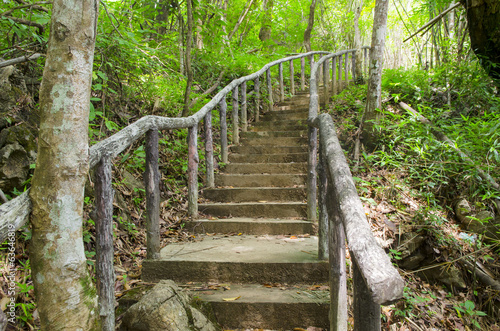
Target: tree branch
(32, 5)
(207, 92)
(20, 59)
(240, 20)
(40, 27)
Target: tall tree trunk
(310, 24)
(189, 72)
(357, 45)
(483, 17)
(65, 295)
(240, 19)
(199, 37)
(372, 115)
(266, 22)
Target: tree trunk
(483, 17)
(310, 24)
(266, 23)
(66, 297)
(357, 45)
(373, 100)
(189, 72)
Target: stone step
(278, 125)
(260, 180)
(240, 259)
(276, 141)
(255, 209)
(302, 126)
(265, 168)
(269, 149)
(279, 115)
(269, 134)
(275, 308)
(255, 194)
(251, 226)
(265, 158)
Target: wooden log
(244, 121)
(257, 98)
(338, 274)
(223, 130)
(105, 274)
(312, 135)
(323, 212)
(236, 120)
(282, 87)
(152, 181)
(353, 66)
(302, 74)
(193, 171)
(366, 312)
(382, 279)
(14, 214)
(269, 89)
(292, 79)
(209, 151)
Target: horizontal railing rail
(341, 217)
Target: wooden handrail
(376, 280)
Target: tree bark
(310, 24)
(484, 31)
(66, 297)
(357, 46)
(266, 23)
(373, 100)
(189, 72)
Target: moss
(89, 291)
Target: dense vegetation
(141, 67)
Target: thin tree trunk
(240, 20)
(373, 100)
(357, 46)
(310, 24)
(66, 297)
(189, 72)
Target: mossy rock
(21, 134)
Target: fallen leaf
(231, 299)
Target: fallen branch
(20, 59)
(442, 137)
(481, 275)
(429, 24)
(207, 92)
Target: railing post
(236, 119)
(282, 88)
(257, 98)
(152, 181)
(312, 135)
(339, 82)
(338, 275)
(353, 66)
(292, 81)
(209, 150)
(223, 129)
(269, 88)
(193, 171)
(326, 88)
(323, 213)
(366, 312)
(302, 73)
(105, 273)
(366, 61)
(346, 63)
(244, 107)
(334, 75)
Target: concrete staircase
(255, 258)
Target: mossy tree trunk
(372, 114)
(66, 298)
(310, 24)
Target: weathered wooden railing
(341, 216)
(16, 212)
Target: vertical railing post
(339, 82)
(312, 135)
(209, 150)
(311, 62)
(292, 80)
(193, 171)
(244, 121)
(152, 181)
(282, 87)
(269, 88)
(326, 88)
(223, 129)
(105, 273)
(323, 213)
(257, 98)
(366, 61)
(366, 312)
(236, 119)
(302, 73)
(353, 66)
(338, 275)
(334, 75)
(346, 71)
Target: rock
(12, 87)
(449, 275)
(411, 253)
(14, 167)
(133, 184)
(23, 135)
(165, 308)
